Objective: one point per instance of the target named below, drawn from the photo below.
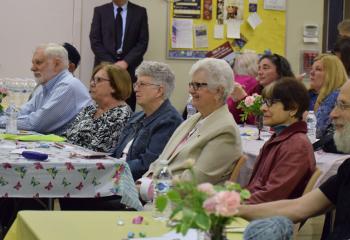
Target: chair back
(310, 185)
(235, 172)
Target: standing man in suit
(119, 34)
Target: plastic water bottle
(11, 121)
(311, 125)
(162, 182)
(191, 110)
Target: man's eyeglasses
(95, 80)
(269, 102)
(341, 105)
(196, 85)
(143, 84)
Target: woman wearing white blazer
(209, 141)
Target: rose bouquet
(250, 105)
(3, 94)
(205, 207)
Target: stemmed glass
(259, 124)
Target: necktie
(119, 28)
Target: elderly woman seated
(286, 161)
(99, 126)
(147, 132)
(210, 137)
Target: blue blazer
(150, 135)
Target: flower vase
(215, 233)
(259, 124)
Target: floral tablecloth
(62, 175)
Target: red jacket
(283, 167)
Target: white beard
(342, 139)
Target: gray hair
(344, 26)
(246, 64)
(161, 74)
(218, 72)
(54, 50)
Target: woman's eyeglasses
(269, 101)
(341, 105)
(196, 85)
(143, 84)
(95, 80)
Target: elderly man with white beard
(58, 99)
(334, 193)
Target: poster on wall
(279, 5)
(187, 9)
(307, 59)
(233, 10)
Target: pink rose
(227, 203)
(255, 95)
(207, 188)
(249, 101)
(210, 205)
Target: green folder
(33, 137)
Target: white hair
(54, 50)
(218, 73)
(342, 138)
(161, 74)
(246, 64)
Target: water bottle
(311, 125)
(162, 182)
(191, 110)
(11, 119)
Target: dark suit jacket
(102, 35)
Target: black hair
(291, 93)
(73, 54)
(342, 46)
(282, 65)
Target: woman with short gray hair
(161, 74)
(210, 138)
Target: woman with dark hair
(98, 127)
(270, 68)
(286, 161)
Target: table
(62, 175)
(328, 163)
(99, 225)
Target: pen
(59, 145)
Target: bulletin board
(202, 19)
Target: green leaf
(203, 221)
(174, 196)
(161, 202)
(245, 194)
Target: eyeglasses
(269, 102)
(96, 80)
(143, 84)
(196, 85)
(341, 105)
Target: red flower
(69, 166)
(6, 165)
(80, 186)
(49, 186)
(100, 166)
(38, 166)
(17, 186)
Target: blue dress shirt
(53, 105)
